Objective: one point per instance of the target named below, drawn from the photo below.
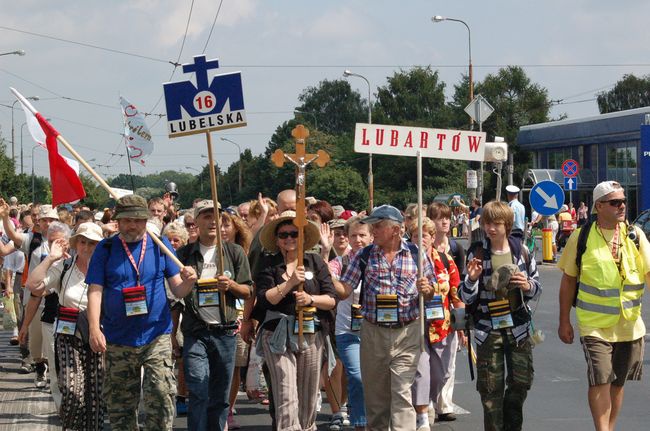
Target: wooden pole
(217, 219)
(423, 317)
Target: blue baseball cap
(384, 212)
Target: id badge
(434, 308)
(500, 314)
(207, 292)
(387, 309)
(65, 327)
(308, 321)
(135, 301)
(66, 322)
(355, 317)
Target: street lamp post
(439, 18)
(371, 184)
(13, 137)
(241, 178)
(22, 126)
(200, 176)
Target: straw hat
(88, 230)
(268, 239)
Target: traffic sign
(479, 109)
(209, 105)
(472, 179)
(546, 197)
(570, 168)
(570, 183)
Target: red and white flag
(64, 172)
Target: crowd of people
(179, 308)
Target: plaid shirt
(383, 278)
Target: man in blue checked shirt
(390, 333)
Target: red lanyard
(130, 256)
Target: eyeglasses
(285, 235)
(189, 225)
(615, 202)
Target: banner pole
(423, 319)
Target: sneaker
(181, 407)
(344, 416)
(336, 423)
(232, 423)
(446, 417)
(26, 367)
(41, 375)
(319, 401)
(422, 425)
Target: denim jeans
(209, 359)
(348, 348)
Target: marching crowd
(111, 318)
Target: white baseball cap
(602, 190)
(512, 189)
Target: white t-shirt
(209, 269)
(72, 290)
(344, 307)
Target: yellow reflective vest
(605, 292)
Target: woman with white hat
(294, 368)
(80, 371)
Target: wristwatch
(312, 300)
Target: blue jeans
(209, 359)
(348, 348)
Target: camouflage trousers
(122, 385)
(503, 397)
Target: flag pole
(99, 179)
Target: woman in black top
(294, 368)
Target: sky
(574, 49)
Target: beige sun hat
(88, 230)
(268, 238)
(46, 211)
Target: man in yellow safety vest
(608, 272)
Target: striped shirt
(384, 278)
(472, 292)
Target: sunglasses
(616, 202)
(285, 235)
(189, 225)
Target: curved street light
(371, 184)
(438, 18)
(241, 178)
(20, 52)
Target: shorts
(241, 352)
(612, 362)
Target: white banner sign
(139, 143)
(406, 141)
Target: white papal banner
(407, 141)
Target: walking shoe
(422, 424)
(319, 401)
(232, 423)
(344, 416)
(41, 375)
(446, 417)
(26, 367)
(336, 423)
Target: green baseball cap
(131, 206)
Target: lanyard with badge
(135, 297)
(434, 308)
(66, 323)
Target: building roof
(612, 127)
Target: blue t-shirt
(111, 268)
(520, 214)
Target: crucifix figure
(301, 159)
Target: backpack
(364, 255)
(581, 247)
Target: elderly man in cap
(390, 333)
(605, 265)
(209, 327)
(520, 212)
(126, 278)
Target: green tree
(332, 107)
(628, 93)
(338, 186)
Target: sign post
(419, 142)
(202, 108)
(570, 169)
(479, 110)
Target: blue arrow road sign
(546, 197)
(570, 183)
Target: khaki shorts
(241, 352)
(612, 362)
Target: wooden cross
(301, 159)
